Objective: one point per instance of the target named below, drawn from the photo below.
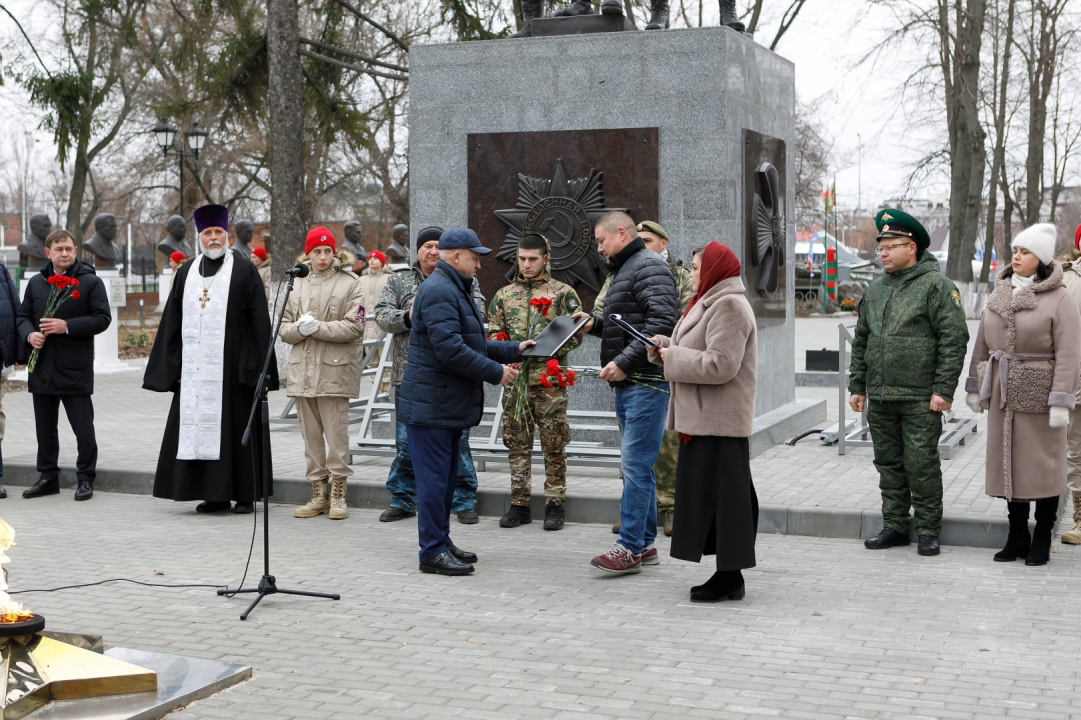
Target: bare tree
(1002, 45)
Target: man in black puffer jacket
(9, 343)
(65, 364)
(643, 291)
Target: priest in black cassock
(209, 351)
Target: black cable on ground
(102, 582)
(801, 436)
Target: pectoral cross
(204, 299)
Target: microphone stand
(267, 584)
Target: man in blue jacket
(442, 392)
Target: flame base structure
(41, 667)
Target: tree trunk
(967, 139)
(998, 161)
(73, 223)
(286, 139)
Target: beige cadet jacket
(1071, 278)
(327, 362)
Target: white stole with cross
(203, 366)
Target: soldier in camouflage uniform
(656, 239)
(509, 317)
(393, 311)
(908, 352)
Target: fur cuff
(972, 385)
(1061, 399)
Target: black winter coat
(10, 347)
(449, 356)
(643, 291)
(66, 362)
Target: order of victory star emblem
(564, 212)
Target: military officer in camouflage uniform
(393, 314)
(656, 239)
(509, 317)
(908, 352)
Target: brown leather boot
(338, 510)
(319, 504)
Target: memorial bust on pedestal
(101, 247)
(398, 252)
(354, 236)
(34, 246)
(244, 230)
(175, 229)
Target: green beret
(655, 228)
(899, 224)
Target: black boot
(530, 9)
(43, 487)
(578, 7)
(3, 492)
(729, 17)
(553, 516)
(612, 7)
(517, 515)
(724, 585)
(1040, 551)
(886, 539)
(658, 18)
(1018, 541)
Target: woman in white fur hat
(1024, 372)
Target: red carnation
(74, 282)
(545, 381)
(54, 279)
(571, 374)
(553, 367)
(75, 295)
(502, 336)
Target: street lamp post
(164, 134)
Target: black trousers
(80, 411)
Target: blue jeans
(641, 412)
(436, 453)
(402, 482)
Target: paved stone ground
(828, 629)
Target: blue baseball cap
(462, 238)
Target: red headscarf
(718, 263)
(1077, 238)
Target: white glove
(1059, 417)
(973, 401)
(306, 324)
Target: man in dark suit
(64, 371)
(442, 391)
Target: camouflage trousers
(665, 471)
(906, 435)
(549, 420)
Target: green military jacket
(911, 337)
(510, 313)
(684, 285)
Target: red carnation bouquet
(538, 308)
(554, 375)
(62, 290)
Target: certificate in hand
(627, 328)
(552, 339)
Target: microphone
(301, 270)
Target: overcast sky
(848, 99)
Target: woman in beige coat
(372, 281)
(711, 362)
(1024, 372)
(324, 322)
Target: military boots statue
(530, 9)
(578, 7)
(729, 16)
(658, 18)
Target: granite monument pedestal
(703, 90)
